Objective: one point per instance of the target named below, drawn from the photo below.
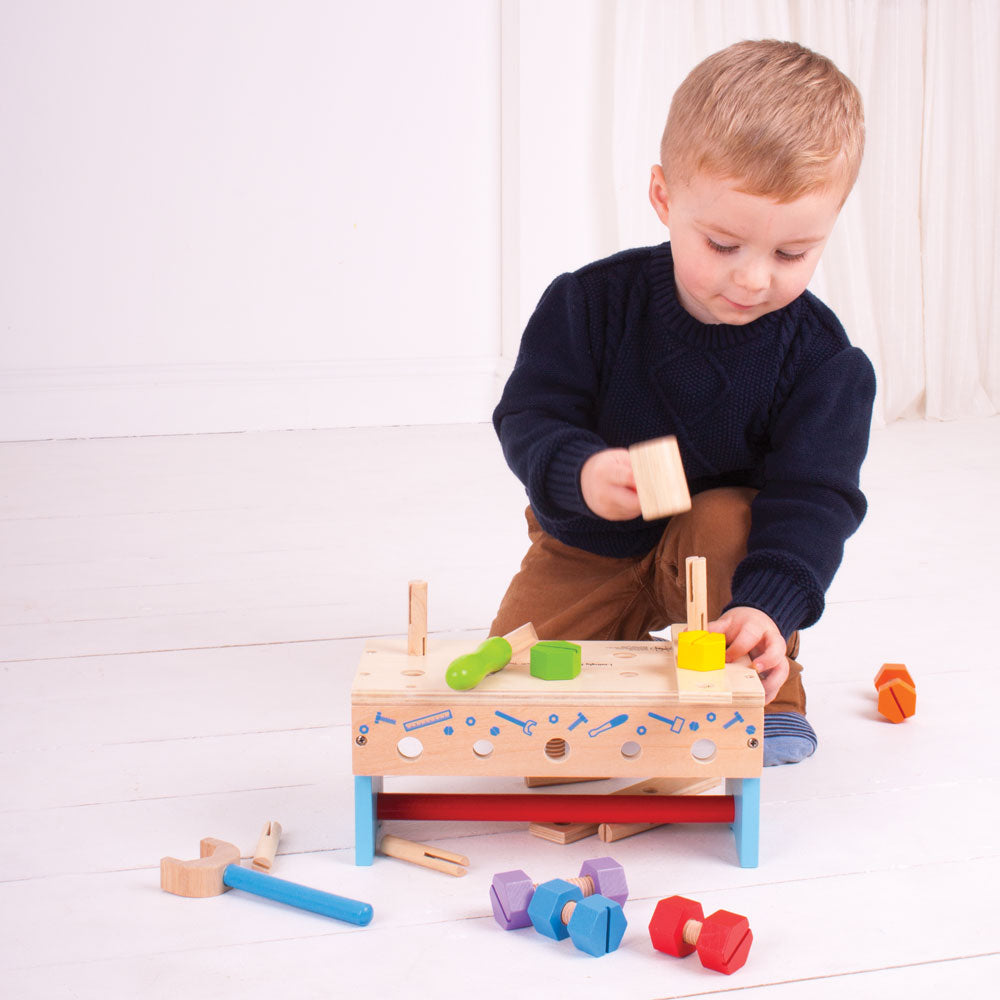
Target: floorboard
(180, 622)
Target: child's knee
(717, 526)
(724, 512)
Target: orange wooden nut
(897, 694)
(890, 671)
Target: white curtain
(913, 269)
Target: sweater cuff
(562, 478)
(787, 604)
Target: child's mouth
(739, 305)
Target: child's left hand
(750, 632)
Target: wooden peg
(267, 847)
(704, 683)
(417, 630)
(610, 832)
(697, 593)
(659, 478)
(424, 855)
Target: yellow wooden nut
(697, 650)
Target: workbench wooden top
(612, 673)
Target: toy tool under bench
(629, 713)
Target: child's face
(738, 256)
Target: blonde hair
(775, 115)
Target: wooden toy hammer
(219, 869)
(494, 654)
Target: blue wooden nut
(546, 906)
(597, 925)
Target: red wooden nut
(897, 694)
(723, 940)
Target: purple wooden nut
(510, 893)
(608, 877)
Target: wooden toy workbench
(630, 713)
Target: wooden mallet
(466, 671)
(219, 869)
(659, 478)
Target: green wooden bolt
(555, 660)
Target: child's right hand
(608, 485)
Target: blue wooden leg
(746, 824)
(366, 790)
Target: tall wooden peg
(699, 655)
(417, 631)
(697, 594)
(659, 478)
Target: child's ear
(658, 196)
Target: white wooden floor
(181, 620)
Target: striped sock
(788, 738)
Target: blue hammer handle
(315, 900)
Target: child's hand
(751, 632)
(608, 485)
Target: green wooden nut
(555, 660)
(467, 671)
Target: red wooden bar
(558, 808)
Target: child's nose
(753, 276)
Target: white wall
(227, 214)
(559, 161)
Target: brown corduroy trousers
(568, 593)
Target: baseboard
(43, 403)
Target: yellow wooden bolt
(697, 650)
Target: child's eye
(719, 247)
(784, 255)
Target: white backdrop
(229, 214)
(238, 214)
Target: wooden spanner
(219, 869)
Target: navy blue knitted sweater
(783, 405)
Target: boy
(713, 338)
